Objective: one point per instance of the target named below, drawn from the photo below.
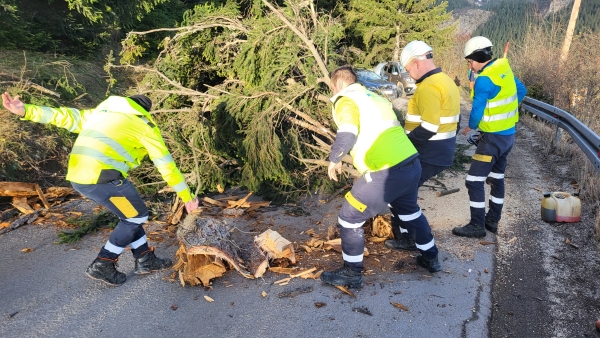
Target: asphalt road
(45, 293)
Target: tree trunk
(396, 56)
(570, 30)
(205, 245)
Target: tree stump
(207, 252)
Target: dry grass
(34, 152)
(574, 87)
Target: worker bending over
(390, 169)
(113, 138)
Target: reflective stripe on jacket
(116, 135)
(381, 142)
(435, 106)
(501, 112)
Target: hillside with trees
(240, 87)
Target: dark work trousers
(120, 197)
(371, 194)
(428, 171)
(489, 163)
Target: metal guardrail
(583, 136)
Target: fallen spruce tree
(241, 89)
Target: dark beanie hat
(481, 56)
(143, 101)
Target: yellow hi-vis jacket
(381, 142)
(116, 135)
(435, 106)
(501, 112)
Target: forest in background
(240, 87)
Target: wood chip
(345, 290)
(305, 272)
(377, 239)
(278, 269)
(208, 299)
(399, 306)
(285, 280)
(511, 240)
(486, 243)
(26, 250)
(181, 280)
(264, 294)
(214, 202)
(306, 248)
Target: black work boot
(343, 276)
(148, 262)
(491, 226)
(404, 243)
(433, 265)
(470, 230)
(105, 269)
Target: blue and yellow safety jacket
(496, 95)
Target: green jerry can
(561, 207)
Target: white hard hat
(413, 49)
(477, 43)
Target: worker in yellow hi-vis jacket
(113, 138)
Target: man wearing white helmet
(431, 125)
(496, 97)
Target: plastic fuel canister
(561, 207)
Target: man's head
(143, 101)
(341, 78)
(417, 59)
(478, 52)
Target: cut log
(206, 251)
(258, 261)
(275, 246)
(21, 204)
(53, 193)
(27, 219)
(21, 189)
(41, 195)
(18, 189)
(382, 227)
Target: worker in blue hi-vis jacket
(388, 162)
(496, 97)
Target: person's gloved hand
(192, 205)
(15, 105)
